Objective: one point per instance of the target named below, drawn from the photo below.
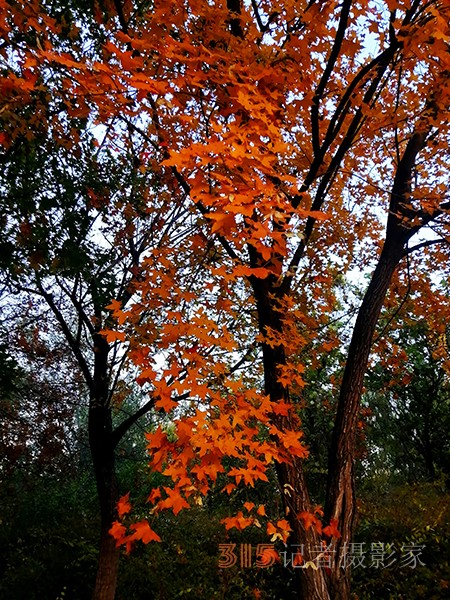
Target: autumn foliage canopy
(287, 144)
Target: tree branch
(334, 54)
(426, 244)
(121, 429)
(68, 335)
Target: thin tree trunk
(103, 459)
(312, 583)
(427, 445)
(340, 500)
(102, 451)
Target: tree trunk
(340, 505)
(108, 567)
(102, 451)
(332, 583)
(103, 457)
(426, 447)
(340, 500)
(312, 583)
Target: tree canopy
(248, 158)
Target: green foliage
(48, 542)
(47, 538)
(409, 400)
(10, 373)
(416, 515)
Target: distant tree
(409, 401)
(38, 407)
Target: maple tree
(297, 141)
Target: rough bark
(340, 499)
(312, 584)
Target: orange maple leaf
(174, 501)
(115, 305)
(118, 532)
(222, 222)
(229, 488)
(113, 336)
(309, 519)
(123, 506)
(331, 530)
(239, 522)
(155, 494)
(280, 531)
(143, 531)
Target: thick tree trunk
(334, 583)
(108, 566)
(103, 457)
(312, 584)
